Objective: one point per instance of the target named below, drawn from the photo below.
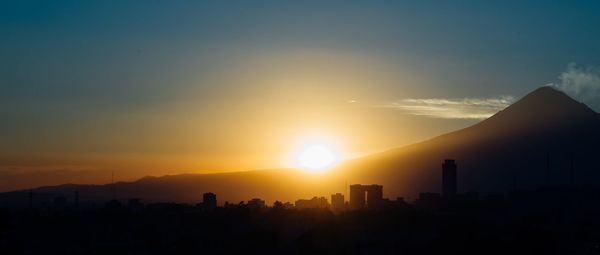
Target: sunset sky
(157, 87)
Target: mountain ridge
(512, 146)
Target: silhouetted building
(449, 178)
(393, 204)
(281, 205)
(315, 202)
(400, 202)
(374, 196)
(357, 196)
(256, 203)
(337, 202)
(232, 205)
(209, 200)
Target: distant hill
(546, 138)
(275, 184)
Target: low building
(209, 201)
(315, 202)
(256, 203)
(337, 202)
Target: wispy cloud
(461, 108)
(580, 83)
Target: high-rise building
(449, 178)
(337, 202)
(374, 196)
(209, 200)
(357, 196)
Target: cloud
(580, 83)
(463, 108)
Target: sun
(315, 156)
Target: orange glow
(315, 153)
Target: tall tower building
(209, 200)
(374, 196)
(370, 196)
(357, 196)
(337, 202)
(449, 178)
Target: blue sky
(120, 78)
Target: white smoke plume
(580, 83)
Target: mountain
(529, 144)
(545, 138)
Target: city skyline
(524, 146)
(299, 127)
(361, 197)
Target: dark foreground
(548, 222)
